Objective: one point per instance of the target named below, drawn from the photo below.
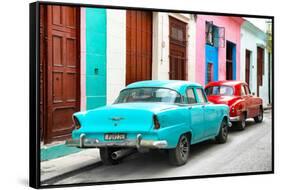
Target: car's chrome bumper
(235, 118)
(83, 142)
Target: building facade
(88, 55)
(217, 48)
(255, 61)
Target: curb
(59, 168)
(267, 108)
(53, 151)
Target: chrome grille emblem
(116, 118)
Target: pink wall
(232, 33)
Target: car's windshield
(219, 90)
(148, 94)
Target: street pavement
(245, 151)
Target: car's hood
(125, 117)
(228, 100)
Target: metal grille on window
(209, 33)
(215, 36)
(210, 75)
(177, 34)
(219, 37)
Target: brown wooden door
(61, 82)
(260, 62)
(229, 61)
(178, 53)
(42, 72)
(247, 65)
(138, 46)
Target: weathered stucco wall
(160, 60)
(232, 34)
(251, 38)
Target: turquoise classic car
(155, 114)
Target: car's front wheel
(106, 156)
(259, 118)
(222, 136)
(179, 155)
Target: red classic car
(236, 94)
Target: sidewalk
(55, 150)
(58, 166)
(268, 107)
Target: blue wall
(95, 57)
(211, 54)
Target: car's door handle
(190, 107)
(203, 106)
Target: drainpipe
(162, 42)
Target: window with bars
(210, 72)
(215, 36)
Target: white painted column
(115, 53)
(160, 53)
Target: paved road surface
(245, 151)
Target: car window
(201, 96)
(219, 90)
(190, 96)
(148, 94)
(242, 90)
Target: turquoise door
(211, 117)
(195, 115)
(196, 122)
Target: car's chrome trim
(235, 118)
(83, 142)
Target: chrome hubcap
(224, 131)
(183, 146)
(260, 115)
(243, 121)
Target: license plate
(115, 136)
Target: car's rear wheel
(259, 118)
(106, 158)
(242, 123)
(179, 155)
(222, 136)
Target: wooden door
(178, 52)
(229, 61)
(260, 71)
(247, 65)
(42, 72)
(138, 46)
(62, 64)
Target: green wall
(95, 57)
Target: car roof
(225, 82)
(177, 85)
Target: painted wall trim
(82, 60)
